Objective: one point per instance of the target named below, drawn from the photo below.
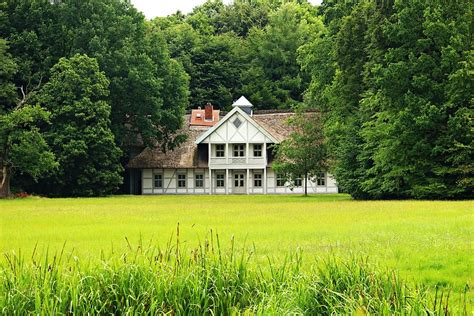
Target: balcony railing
(237, 161)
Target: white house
(224, 155)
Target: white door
(239, 183)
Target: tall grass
(208, 279)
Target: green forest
(393, 81)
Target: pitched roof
(242, 102)
(228, 116)
(186, 155)
(275, 124)
(197, 118)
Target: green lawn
(427, 241)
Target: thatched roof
(186, 154)
(275, 123)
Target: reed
(206, 280)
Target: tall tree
(421, 135)
(80, 133)
(303, 154)
(22, 146)
(274, 79)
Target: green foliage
(22, 147)
(303, 153)
(397, 117)
(273, 79)
(8, 68)
(206, 280)
(80, 134)
(216, 70)
(133, 57)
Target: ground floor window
(298, 182)
(158, 180)
(181, 180)
(220, 183)
(280, 181)
(199, 180)
(257, 180)
(321, 178)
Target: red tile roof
(197, 118)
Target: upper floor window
(220, 150)
(199, 180)
(181, 180)
(321, 178)
(158, 180)
(239, 150)
(257, 150)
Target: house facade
(231, 154)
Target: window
(257, 150)
(199, 180)
(237, 123)
(239, 150)
(220, 180)
(298, 182)
(239, 181)
(181, 180)
(321, 178)
(158, 180)
(257, 180)
(220, 150)
(280, 180)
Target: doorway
(239, 183)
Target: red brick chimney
(208, 112)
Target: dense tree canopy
(393, 81)
(80, 134)
(398, 117)
(22, 147)
(148, 90)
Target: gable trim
(227, 117)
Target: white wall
(170, 183)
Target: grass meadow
(427, 244)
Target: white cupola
(244, 104)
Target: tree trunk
(306, 185)
(4, 182)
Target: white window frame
(220, 150)
(155, 180)
(298, 182)
(321, 179)
(220, 180)
(239, 149)
(199, 183)
(258, 178)
(257, 148)
(181, 178)
(280, 183)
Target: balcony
(237, 161)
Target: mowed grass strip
(426, 241)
